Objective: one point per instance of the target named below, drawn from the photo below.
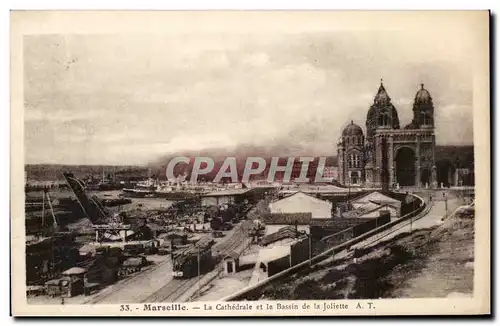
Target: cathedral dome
(423, 95)
(382, 113)
(352, 129)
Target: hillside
(44, 172)
(437, 262)
(462, 154)
(445, 157)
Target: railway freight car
(194, 260)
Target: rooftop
(227, 192)
(286, 218)
(370, 207)
(232, 254)
(283, 233)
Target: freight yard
(93, 245)
(88, 245)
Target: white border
(145, 4)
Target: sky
(131, 98)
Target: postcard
(250, 163)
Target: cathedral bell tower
(423, 110)
(350, 154)
(382, 117)
(382, 113)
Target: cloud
(60, 115)
(258, 59)
(130, 98)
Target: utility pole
(411, 218)
(349, 191)
(43, 210)
(199, 271)
(407, 198)
(445, 205)
(310, 248)
(54, 220)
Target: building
(371, 210)
(300, 202)
(280, 251)
(224, 197)
(231, 263)
(390, 155)
(376, 198)
(463, 177)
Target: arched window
(425, 118)
(349, 161)
(383, 118)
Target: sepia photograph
(250, 163)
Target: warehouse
(376, 197)
(300, 202)
(224, 197)
(278, 256)
(371, 210)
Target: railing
(421, 211)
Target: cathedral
(390, 156)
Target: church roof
(422, 95)
(352, 129)
(382, 95)
(382, 102)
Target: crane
(106, 226)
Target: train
(194, 260)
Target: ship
(141, 189)
(170, 191)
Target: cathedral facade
(388, 155)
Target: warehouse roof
(276, 252)
(376, 197)
(286, 218)
(367, 208)
(283, 233)
(227, 192)
(74, 271)
(301, 194)
(232, 254)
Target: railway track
(175, 288)
(235, 240)
(104, 295)
(172, 291)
